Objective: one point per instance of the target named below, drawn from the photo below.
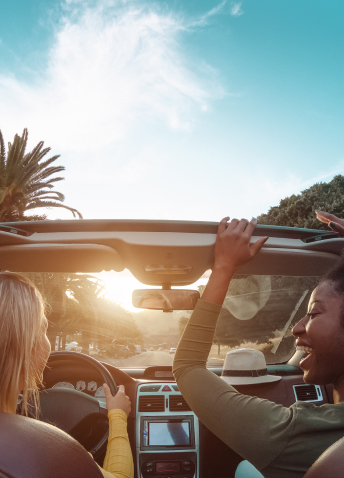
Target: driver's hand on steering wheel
(119, 402)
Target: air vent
(14, 230)
(152, 403)
(308, 393)
(178, 404)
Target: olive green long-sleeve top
(280, 442)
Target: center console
(167, 433)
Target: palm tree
(72, 302)
(26, 182)
(77, 305)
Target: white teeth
(303, 348)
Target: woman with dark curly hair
(279, 441)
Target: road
(151, 358)
(142, 360)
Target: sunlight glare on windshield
(119, 287)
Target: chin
(309, 377)
(314, 378)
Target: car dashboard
(91, 388)
(166, 437)
(167, 433)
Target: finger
(256, 247)
(222, 225)
(232, 225)
(242, 225)
(251, 227)
(121, 389)
(325, 217)
(337, 228)
(107, 391)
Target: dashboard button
(150, 388)
(187, 466)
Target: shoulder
(320, 417)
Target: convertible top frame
(160, 253)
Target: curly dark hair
(336, 277)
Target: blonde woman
(24, 351)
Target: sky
(177, 109)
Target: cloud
(236, 9)
(112, 65)
(204, 19)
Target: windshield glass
(93, 314)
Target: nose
(300, 327)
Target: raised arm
(232, 250)
(238, 420)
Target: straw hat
(246, 367)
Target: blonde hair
(21, 322)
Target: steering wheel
(75, 412)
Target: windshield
(93, 314)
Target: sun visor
(60, 258)
(289, 262)
(153, 267)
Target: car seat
(330, 463)
(33, 449)
(246, 470)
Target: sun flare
(120, 285)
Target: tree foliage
(299, 210)
(26, 180)
(76, 305)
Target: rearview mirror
(170, 299)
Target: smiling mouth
(304, 349)
(308, 351)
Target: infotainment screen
(162, 433)
(172, 433)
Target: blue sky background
(176, 109)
